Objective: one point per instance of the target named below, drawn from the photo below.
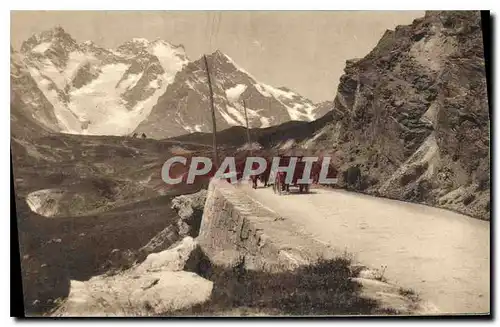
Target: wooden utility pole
(248, 129)
(214, 127)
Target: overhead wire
(219, 14)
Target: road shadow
(295, 191)
(324, 288)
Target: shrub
(468, 199)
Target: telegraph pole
(248, 129)
(214, 127)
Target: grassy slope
(78, 243)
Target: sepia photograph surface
(251, 163)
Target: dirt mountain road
(443, 256)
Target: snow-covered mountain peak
(171, 57)
(219, 55)
(56, 39)
(219, 58)
(94, 90)
(185, 108)
(140, 40)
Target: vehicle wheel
(280, 186)
(277, 186)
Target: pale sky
(302, 50)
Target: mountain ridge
(96, 90)
(99, 91)
(231, 84)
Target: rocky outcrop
(414, 115)
(161, 241)
(190, 210)
(157, 286)
(173, 259)
(31, 114)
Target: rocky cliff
(413, 114)
(31, 114)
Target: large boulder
(156, 286)
(173, 259)
(131, 294)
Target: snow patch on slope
(42, 47)
(68, 120)
(230, 120)
(99, 101)
(130, 81)
(171, 59)
(277, 92)
(236, 114)
(299, 111)
(154, 84)
(254, 114)
(265, 122)
(239, 67)
(140, 40)
(195, 128)
(233, 94)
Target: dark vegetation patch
(409, 293)
(419, 192)
(484, 182)
(468, 199)
(325, 288)
(413, 173)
